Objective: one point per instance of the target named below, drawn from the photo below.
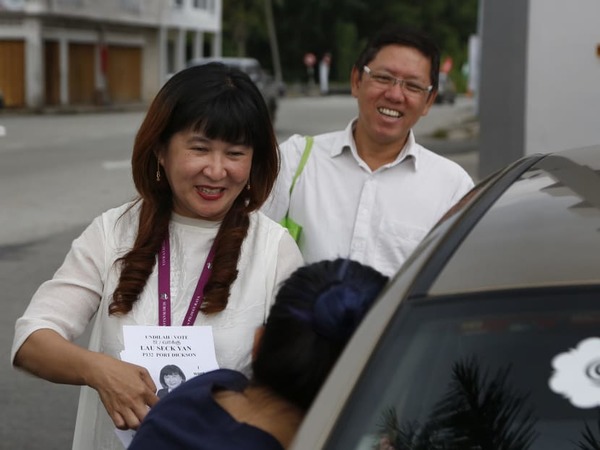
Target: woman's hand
(126, 390)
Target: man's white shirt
(347, 210)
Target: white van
(257, 74)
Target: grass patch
(440, 133)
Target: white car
(265, 82)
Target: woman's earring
(248, 187)
(158, 173)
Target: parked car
(270, 90)
(489, 336)
(446, 90)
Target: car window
(518, 372)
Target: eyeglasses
(385, 81)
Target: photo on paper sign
(170, 378)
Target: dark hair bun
(338, 310)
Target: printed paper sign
(172, 355)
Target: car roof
(227, 60)
(544, 230)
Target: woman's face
(172, 380)
(205, 175)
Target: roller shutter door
(124, 74)
(81, 73)
(12, 73)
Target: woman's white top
(83, 286)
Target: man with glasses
(370, 192)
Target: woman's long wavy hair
(221, 103)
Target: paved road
(59, 171)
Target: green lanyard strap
(294, 228)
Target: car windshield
(517, 371)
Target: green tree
(341, 27)
(243, 22)
(317, 26)
(346, 37)
(248, 31)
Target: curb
(74, 109)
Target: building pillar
(180, 50)
(198, 48)
(34, 63)
(63, 62)
(502, 96)
(217, 41)
(162, 54)
(217, 44)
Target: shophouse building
(99, 52)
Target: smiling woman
(204, 160)
(206, 175)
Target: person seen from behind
(314, 315)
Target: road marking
(2, 131)
(115, 165)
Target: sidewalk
(75, 109)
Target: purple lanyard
(164, 287)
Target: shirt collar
(410, 150)
(198, 223)
(345, 141)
